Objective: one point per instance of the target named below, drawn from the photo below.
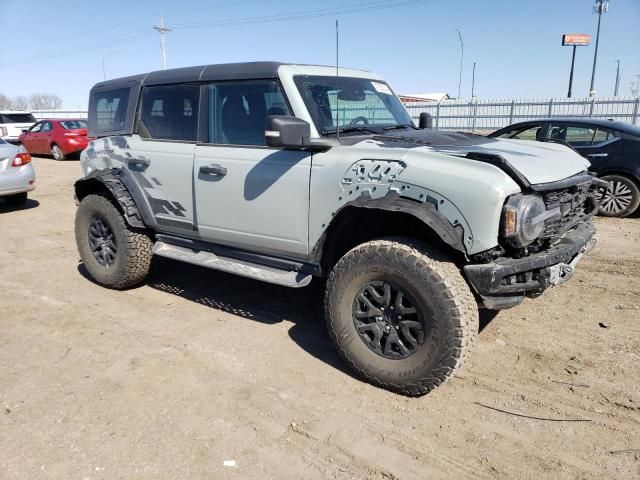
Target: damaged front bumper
(505, 282)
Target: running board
(230, 265)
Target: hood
(538, 162)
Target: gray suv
(283, 172)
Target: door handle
(598, 155)
(217, 170)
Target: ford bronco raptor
(283, 172)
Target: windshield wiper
(401, 125)
(348, 129)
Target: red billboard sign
(575, 39)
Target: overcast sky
(58, 47)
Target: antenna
(162, 28)
(337, 76)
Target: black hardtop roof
(224, 71)
(598, 122)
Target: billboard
(575, 39)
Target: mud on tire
(115, 255)
(442, 301)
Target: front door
(249, 196)
(163, 153)
(30, 140)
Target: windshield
(17, 118)
(360, 104)
(73, 124)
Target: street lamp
(602, 6)
(104, 71)
(461, 59)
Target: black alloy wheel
(102, 242)
(387, 321)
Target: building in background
(423, 97)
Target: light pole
(617, 87)
(473, 82)
(602, 6)
(104, 70)
(162, 29)
(461, 59)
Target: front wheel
(400, 314)
(57, 153)
(621, 198)
(115, 255)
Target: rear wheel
(57, 152)
(621, 198)
(401, 314)
(114, 254)
(16, 199)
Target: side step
(230, 265)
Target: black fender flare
(426, 212)
(111, 180)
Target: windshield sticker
(381, 88)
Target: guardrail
(490, 115)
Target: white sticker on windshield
(381, 88)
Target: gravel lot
(195, 368)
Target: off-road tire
(632, 193)
(57, 153)
(133, 253)
(438, 287)
(16, 200)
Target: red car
(58, 137)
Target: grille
(576, 203)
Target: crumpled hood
(538, 162)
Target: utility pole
(104, 70)
(162, 29)
(473, 82)
(573, 64)
(602, 6)
(617, 87)
(461, 59)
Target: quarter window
(111, 109)
(170, 112)
(238, 110)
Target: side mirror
(284, 131)
(426, 120)
(24, 130)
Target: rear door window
(170, 112)
(110, 109)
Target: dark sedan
(613, 148)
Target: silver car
(17, 175)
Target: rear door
(164, 152)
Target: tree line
(35, 101)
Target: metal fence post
(513, 107)
(475, 114)
(438, 114)
(593, 102)
(551, 107)
(636, 107)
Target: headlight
(523, 219)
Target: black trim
(243, 255)
(576, 180)
(503, 164)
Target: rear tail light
(22, 158)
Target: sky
(59, 47)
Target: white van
(13, 122)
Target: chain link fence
(485, 116)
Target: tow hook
(562, 272)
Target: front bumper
(505, 282)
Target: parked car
(270, 171)
(56, 137)
(12, 123)
(613, 148)
(17, 176)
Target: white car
(12, 123)
(17, 175)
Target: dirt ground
(197, 368)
